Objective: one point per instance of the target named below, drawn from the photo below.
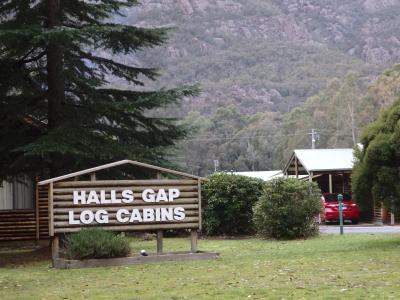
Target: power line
(240, 138)
(222, 135)
(216, 138)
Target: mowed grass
(327, 267)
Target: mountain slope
(258, 59)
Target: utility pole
(216, 165)
(314, 137)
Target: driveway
(372, 229)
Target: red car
(331, 208)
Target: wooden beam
(115, 223)
(296, 166)
(69, 197)
(119, 163)
(118, 189)
(93, 176)
(55, 248)
(193, 225)
(121, 183)
(199, 202)
(51, 208)
(193, 239)
(64, 211)
(37, 211)
(160, 235)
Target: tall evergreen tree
(58, 108)
(376, 174)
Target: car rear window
(333, 197)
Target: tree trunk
(55, 82)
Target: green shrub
(287, 209)
(229, 201)
(96, 243)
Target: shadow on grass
(13, 257)
(382, 245)
(16, 256)
(356, 245)
(321, 246)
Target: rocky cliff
(267, 55)
(256, 60)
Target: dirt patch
(23, 256)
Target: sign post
(340, 199)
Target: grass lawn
(328, 267)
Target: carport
(330, 168)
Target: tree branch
(33, 58)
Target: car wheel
(354, 221)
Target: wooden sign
(124, 205)
(121, 205)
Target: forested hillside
(340, 111)
(258, 60)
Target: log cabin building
(23, 210)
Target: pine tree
(58, 109)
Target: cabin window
(17, 193)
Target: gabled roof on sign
(318, 160)
(119, 163)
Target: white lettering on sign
(136, 216)
(81, 197)
(179, 213)
(149, 195)
(71, 219)
(87, 217)
(127, 196)
(121, 215)
(101, 216)
(92, 198)
(125, 215)
(103, 198)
